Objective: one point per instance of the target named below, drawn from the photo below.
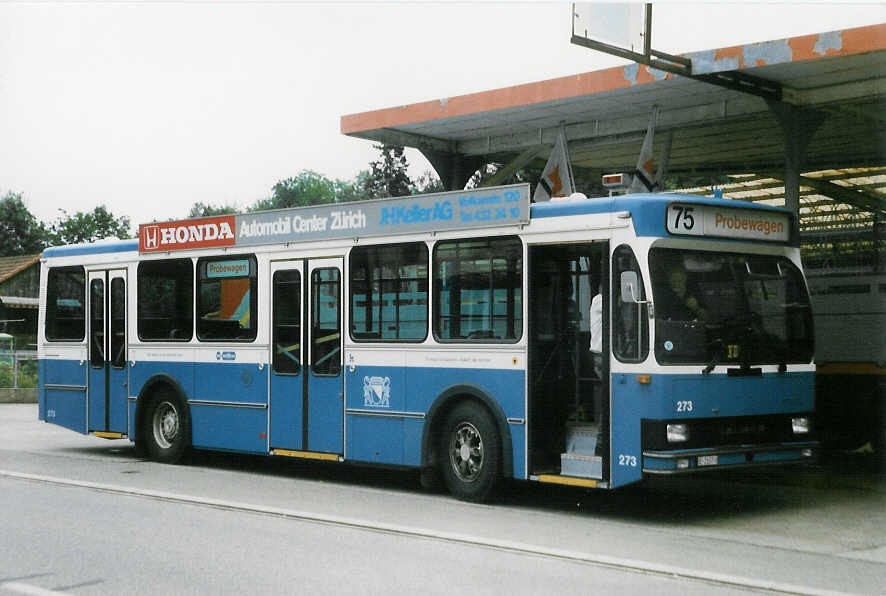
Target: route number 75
(684, 215)
(683, 219)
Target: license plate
(707, 460)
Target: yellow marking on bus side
(307, 454)
(567, 480)
(105, 435)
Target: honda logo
(152, 237)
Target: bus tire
(166, 429)
(470, 453)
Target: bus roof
(94, 248)
(648, 211)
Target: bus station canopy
(832, 84)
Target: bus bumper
(697, 460)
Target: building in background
(19, 293)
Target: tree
(427, 183)
(20, 232)
(355, 190)
(201, 209)
(307, 188)
(88, 227)
(387, 175)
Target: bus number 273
(627, 460)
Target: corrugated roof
(839, 77)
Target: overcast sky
(148, 107)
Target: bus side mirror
(630, 286)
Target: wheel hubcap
(165, 424)
(466, 452)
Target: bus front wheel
(166, 428)
(470, 453)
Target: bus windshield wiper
(717, 344)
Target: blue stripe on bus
(92, 249)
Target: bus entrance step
(581, 439)
(582, 466)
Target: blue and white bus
(449, 333)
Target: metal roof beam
(391, 136)
(695, 116)
(862, 199)
(842, 92)
(511, 168)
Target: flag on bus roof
(556, 179)
(644, 176)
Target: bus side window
(389, 292)
(65, 300)
(325, 321)
(165, 300)
(227, 298)
(629, 318)
(478, 290)
(287, 322)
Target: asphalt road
(83, 515)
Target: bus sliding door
(107, 393)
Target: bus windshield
(712, 308)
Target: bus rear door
(108, 365)
(306, 400)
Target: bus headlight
(800, 425)
(678, 433)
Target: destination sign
(456, 210)
(727, 222)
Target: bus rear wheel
(166, 429)
(470, 453)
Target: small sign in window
(238, 268)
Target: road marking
(504, 545)
(20, 588)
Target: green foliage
(387, 175)
(20, 232)
(428, 183)
(307, 188)
(310, 188)
(27, 374)
(347, 191)
(201, 209)
(88, 227)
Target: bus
(448, 332)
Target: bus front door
(306, 379)
(108, 365)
